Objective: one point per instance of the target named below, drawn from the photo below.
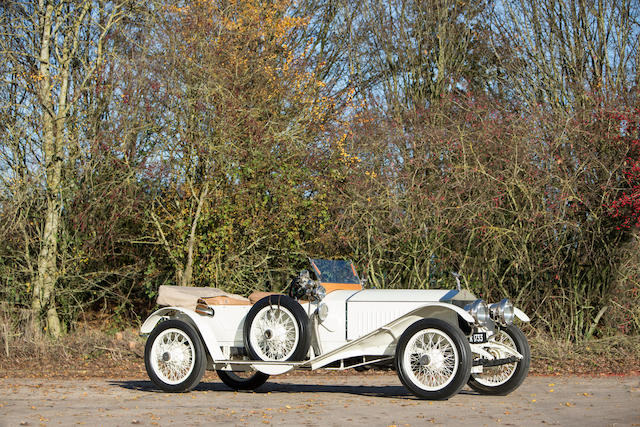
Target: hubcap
(425, 360)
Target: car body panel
(202, 324)
(370, 309)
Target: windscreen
(338, 271)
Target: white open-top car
(439, 340)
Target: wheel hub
(425, 360)
(166, 356)
(274, 335)
(436, 359)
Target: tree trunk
(44, 287)
(187, 274)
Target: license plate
(478, 337)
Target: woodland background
(220, 142)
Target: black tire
(296, 319)
(517, 375)
(237, 382)
(155, 358)
(457, 354)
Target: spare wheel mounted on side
(277, 328)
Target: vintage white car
(438, 340)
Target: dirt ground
(317, 400)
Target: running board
(258, 362)
(269, 367)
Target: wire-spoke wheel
(243, 380)
(433, 359)
(274, 333)
(503, 379)
(276, 328)
(174, 356)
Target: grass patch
(613, 355)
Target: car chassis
(438, 339)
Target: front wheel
(433, 359)
(249, 380)
(174, 356)
(503, 379)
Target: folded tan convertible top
(187, 296)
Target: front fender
(382, 341)
(200, 323)
(521, 315)
(431, 310)
(438, 310)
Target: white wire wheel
(433, 359)
(493, 376)
(174, 356)
(276, 328)
(503, 379)
(274, 333)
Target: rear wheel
(503, 379)
(433, 359)
(243, 380)
(174, 356)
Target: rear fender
(200, 323)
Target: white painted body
(359, 323)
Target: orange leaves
(250, 49)
(346, 158)
(247, 19)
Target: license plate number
(478, 337)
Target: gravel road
(317, 400)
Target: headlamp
(479, 310)
(503, 311)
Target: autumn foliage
(626, 207)
(221, 142)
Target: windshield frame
(335, 271)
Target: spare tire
(277, 328)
